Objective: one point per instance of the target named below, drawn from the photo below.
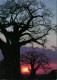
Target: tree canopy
(27, 21)
(22, 23)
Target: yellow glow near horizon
(24, 70)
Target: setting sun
(24, 70)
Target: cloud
(49, 52)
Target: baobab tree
(22, 23)
(35, 59)
(2, 70)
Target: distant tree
(46, 68)
(35, 60)
(22, 23)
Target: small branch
(29, 41)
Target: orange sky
(25, 69)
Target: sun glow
(24, 70)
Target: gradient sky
(52, 55)
(52, 4)
(51, 38)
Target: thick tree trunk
(12, 62)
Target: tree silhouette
(46, 68)
(35, 60)
(22, 23)
(2, 70)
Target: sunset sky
(51, 53)
(51, 38)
